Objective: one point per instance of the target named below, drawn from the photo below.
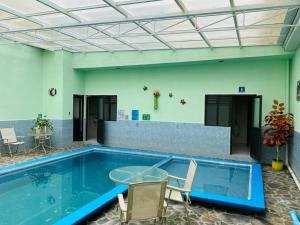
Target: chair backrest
(8, 135)
(146, 200)
(190, 175)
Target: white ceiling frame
(198, 13)
(127, 15)
(236, 23)
(79, 19)
(181, 5)
(40, 23)
(82, 8)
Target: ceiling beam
(181, 5)
(236, 24)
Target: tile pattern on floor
(281, 196)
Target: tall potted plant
(42, 123)
(279, 127)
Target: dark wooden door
(255, 130)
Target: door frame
(81, 116)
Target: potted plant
(279, 127)
(42, 123)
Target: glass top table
(137, 174)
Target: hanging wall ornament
(145, 88)
(183, 102)
(156, 95)
(170, 94)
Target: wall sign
(135, 114)
(242, 89)
(146, 116)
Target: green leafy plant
(156, 95)
(41, 123)
(279, 127)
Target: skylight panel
(224, 43)
(73, 42)
(18, 24)
(140, 39)
(26, 6)
(51, 35)
(205, 4)
(259, 41)
(181, 37)
(188, 44)
(5, 15)
(263, 17)
(123, 28)
(120, 47)
(68, 4)
(104, 41)
(230, 34)
(56, 19)
(260, 32)
(84, 32)
(151, 46)
(100, 14)
(215, 21)
(170, 25)
(152, 8)
(88, 48)
(251, 2)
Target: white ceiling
(118, 25)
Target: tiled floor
(281, 195)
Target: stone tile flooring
(281, 195)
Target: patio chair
(183, 187)
(295, 217)
(10, 139)
(145, 201)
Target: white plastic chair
(184, 186)
(145, 201)
(10, 139)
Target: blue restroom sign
(242, 89)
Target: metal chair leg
(10, 153)
(187, 212)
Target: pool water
(214, 178)
(46, 193)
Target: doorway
(78, 101)
(242, 113)
(99, 109)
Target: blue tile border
(254, 203)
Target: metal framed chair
(145, 201)
(295, 217)
(10, 139)
(184, 186)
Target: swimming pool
(64, 188)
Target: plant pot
(277, 165)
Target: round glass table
(137, 174)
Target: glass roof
(136, 25)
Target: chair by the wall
(10, 139)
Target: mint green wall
(20, 82)
(295, 77)
(73, 83)
(53, 78)
(136, 58)
(191, 82)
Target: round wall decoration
(52, 91)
